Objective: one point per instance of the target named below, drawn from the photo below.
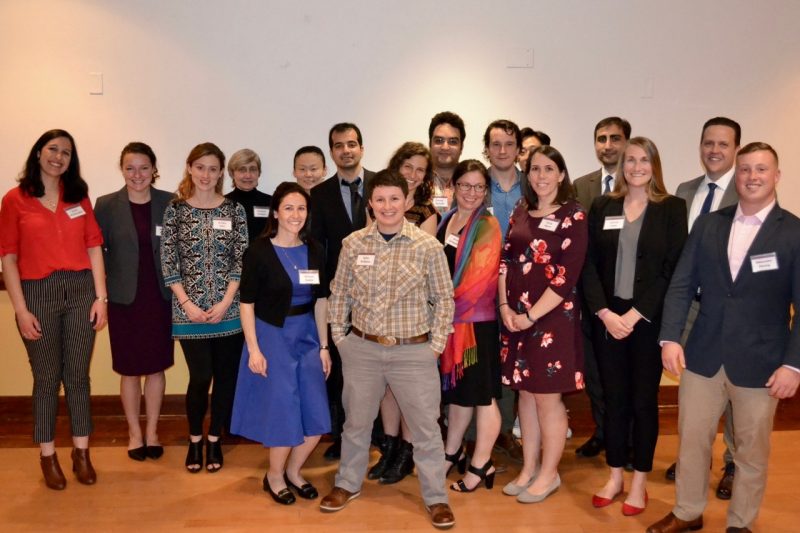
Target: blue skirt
(291, 402)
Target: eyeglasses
(466, 187)
(452, 141)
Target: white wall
(275, 75)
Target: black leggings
(217, 360)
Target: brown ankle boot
(82, 466)
(53, 476)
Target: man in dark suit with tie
(337, 210)
(714, 190)
(610, 137)
(743, 348)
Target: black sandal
(458, 459)
(487, 479)
(194, 457)
(214, 456)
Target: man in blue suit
(742, 349)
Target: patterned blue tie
(607, 184)
(709, 199)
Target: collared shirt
(401, 288)
(743, 231)
(702, 190)
(502, 202)
(345, 190)
(605, 174)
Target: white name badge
(614, 222)
(452, 240)
(75, 211)
(764, 262)
(365, 260)
(309, 277)
(440, 202)
(260, 211)
(225, 224)
(550, 224)
(490, 209)
(158, 230)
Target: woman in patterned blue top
(203, 240)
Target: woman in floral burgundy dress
(541, 343)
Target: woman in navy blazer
(139, 309)
(636, 234)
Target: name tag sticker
(764, 262)
(452, 240)
(75, 211)
(260, 211)
(365, 260)
(440, 201)
(490, 209)
(614, 222)
(158, 230)
(225, 224)
(309, 277)
(550, 224)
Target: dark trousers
(630, 371)
(217, 360)
(61, 302)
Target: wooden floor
(161, 496)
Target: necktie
(709, 199)
(356, 205)
(607, 184)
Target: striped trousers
(61, 302)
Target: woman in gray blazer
(139, 304)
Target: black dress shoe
(283, 497)
(670, 473)
(194, 457)
(725, 487)
(138, 454)
(214, 456)
(334, 451)
(305, 491)
(590, 448)
(154, 452)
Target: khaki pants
(702, 401)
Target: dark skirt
(481, 380)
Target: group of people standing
(362, 305)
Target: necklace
(283, 251)
(49, 203)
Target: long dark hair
(75, 188)
(282, 191)
(408, 150)
(565, 190)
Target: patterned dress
(539, 254)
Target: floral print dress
(541, 253)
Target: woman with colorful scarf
(470, 363)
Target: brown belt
(390, 341)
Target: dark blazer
(743, 323)
(587, 188)
(266, 284)
(659, 246)
(688, 189)
(121, 245)
(329, 221)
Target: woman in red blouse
(50, 245)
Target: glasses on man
(452, 141)
(466, 187)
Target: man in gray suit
(714, 190)
(744, 350)
(610, 136)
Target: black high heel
(194, 457)
(458, 459)
(214, 456)
(487, 479)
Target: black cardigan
(266, 284)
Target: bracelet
(528, 316)
(502, 304)
(325, 347)
(183, 302)
(103, 299)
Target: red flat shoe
(632, 510)
(600, 501)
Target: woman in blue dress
(281, 400)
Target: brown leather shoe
(507, 444)
(673, 524)
(732, 529)
(441, 516)
(725, 487)
(82, 466)
(53, 475)
(337, 499)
